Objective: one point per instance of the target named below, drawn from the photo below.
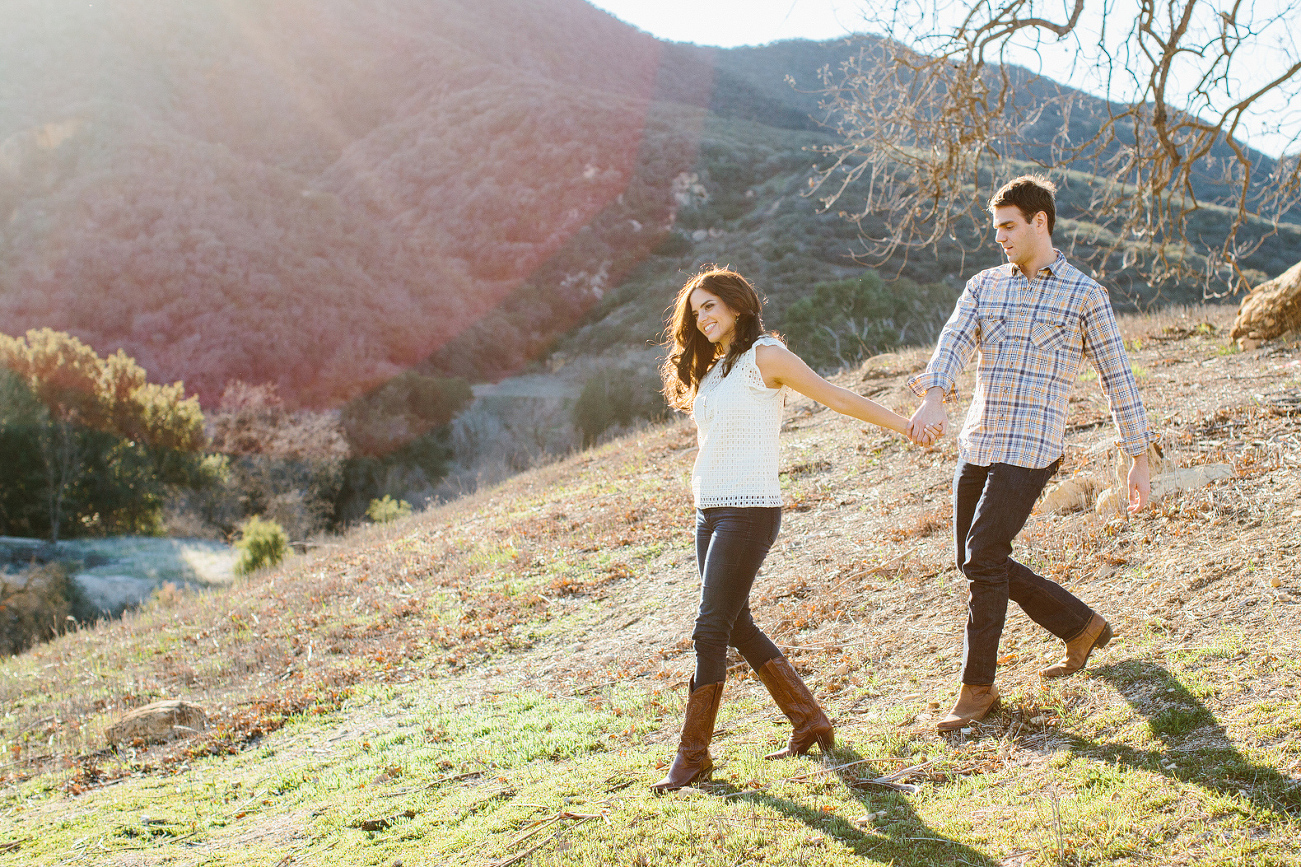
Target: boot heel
(1105, 638)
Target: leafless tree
(961, 92)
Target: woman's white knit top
(738, 419)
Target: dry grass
(579, 576)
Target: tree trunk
(1270, 310)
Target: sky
(729, 23)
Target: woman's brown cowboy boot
(801, 708)
(693, 762)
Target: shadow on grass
(1214, 764)
(899, 838)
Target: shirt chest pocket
(1053, 335)
(993, 331)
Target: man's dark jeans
(730, 546)
(990, 506)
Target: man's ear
(1040, 220)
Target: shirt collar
(1052, 268)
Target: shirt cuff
(925, 381)
(1138, 445)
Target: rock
(158, 722)
(1115, 499)
(1189, 479)
(1270, 310)
(1071, 495)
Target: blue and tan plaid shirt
(1032, 336)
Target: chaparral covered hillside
(324, 195)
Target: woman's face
(714, 319)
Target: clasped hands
(930, 422)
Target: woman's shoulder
(763, 346)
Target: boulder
(1270, 310)
(1072, 495)
(158, 722)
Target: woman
(732, 378)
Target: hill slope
(325, 195)
(499, 678)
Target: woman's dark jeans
(990, 506)
(730, 546)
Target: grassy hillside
(498, 680)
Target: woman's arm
(779, 366)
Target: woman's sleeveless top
(738, 419)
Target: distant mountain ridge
(322, 195)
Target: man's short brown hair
(1030, 194)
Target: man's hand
(1139, 483)
(930, 422)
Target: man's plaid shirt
(1032, 336)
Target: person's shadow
(1207, 759)
(895, 834)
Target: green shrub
(35, 605)
(843, 322)
(388, 509)
(617, 397)
(262, 543)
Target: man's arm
(957, 343)
(1106, 349)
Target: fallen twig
(381, 824)
(537, 826)
(432, 783)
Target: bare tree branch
(932, 117)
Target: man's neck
(1039, 262)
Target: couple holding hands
(1033, 320)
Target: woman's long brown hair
(691, 355)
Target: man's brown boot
(974, 702)
(801, 708)
(693, 762)
(1096, 634)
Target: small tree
(285, 464)
(101, 427)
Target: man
(1033, 321)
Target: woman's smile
(714, 318)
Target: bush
(388, 509)
(282, 464)
(617, 398)
(35, 606)
(262, 544)
(843, 322)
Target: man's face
(1022, 240)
